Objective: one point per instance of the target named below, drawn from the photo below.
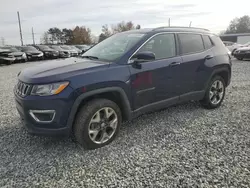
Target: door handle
(174, 64)
(209, 57)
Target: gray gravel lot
(182, 146)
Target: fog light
(43, 116)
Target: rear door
(156, 80)
(194, 57)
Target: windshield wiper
(89, 57)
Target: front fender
(80, 98)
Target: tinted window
(163, 46)
(207, 42)
(190, 43)
(217, 41)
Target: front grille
(22, 89)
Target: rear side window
(207, 42)
(163, 46)
(217, 41)
(190, 43)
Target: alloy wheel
(103, 125)
(216, 92)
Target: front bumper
(61, 105)
(6, 60)
(33, 57)
(64, 55)
(51, 56)
(20, 58)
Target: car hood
(58, 70)
(244, 49)
(33, 52)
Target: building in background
(240, 38)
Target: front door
(156, 80)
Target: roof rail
(166, 27)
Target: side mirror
(144, 56)
(141, 57)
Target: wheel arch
(224, 72)
(114, 94)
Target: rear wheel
(215, 93)
(97, 123)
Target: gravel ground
(182, 146)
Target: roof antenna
(190, 24)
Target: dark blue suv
(126, 75)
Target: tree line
(238, 25)
(83, 35)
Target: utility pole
(2, 41)
(190, 24)
(20, 28)
(33, 36)
(168, 22)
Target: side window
(217, 41)
(207, 42)
(190, 43)
(163, 46)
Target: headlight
(24, 55)
(49, 89)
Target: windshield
(44, 48)
(28, 48)
(12, 49)
(114, 47)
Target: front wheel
(97, 123)
(215, 93)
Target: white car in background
(231, 46)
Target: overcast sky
(43, 14)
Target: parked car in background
(242, 53)
(83, 48)
(48, 52)
(246, 44)
(31, 52)
(6, 57)
(232, 46)
(76, 49)
(73, 53)
(18, 55)
(62, 52)
(120, 78)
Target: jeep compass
(122, 77)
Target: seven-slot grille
(22, 89)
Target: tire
(208, 101)
(87, 121)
